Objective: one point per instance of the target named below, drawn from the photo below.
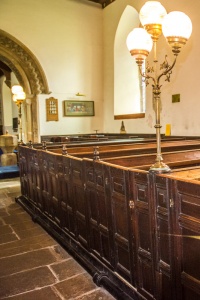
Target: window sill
(131, 116)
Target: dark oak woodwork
(144, 232)
(136, 232)
(103, 3)
(126, 149)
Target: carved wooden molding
(103, 3)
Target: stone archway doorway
(30, 76)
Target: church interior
(99, 150)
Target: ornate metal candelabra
(177, 28)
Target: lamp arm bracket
(168, 69)
(146, 76)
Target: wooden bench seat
(127, 149)
(146, 159)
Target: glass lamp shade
(139, 43)
(177, 28)
(19, 96)
(152, 12)
(177, 24)
(16, 89)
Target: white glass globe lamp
(16, 89)
(177, 28)
(139, 44)
(151, 16)
(19, 97)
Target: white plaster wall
(184, 116)
(74, 41)
(66, 37)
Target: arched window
(129, 89)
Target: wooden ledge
(131, 116)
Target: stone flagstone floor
(32, 264)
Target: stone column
(34, 112)
(29, 129)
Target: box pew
(152, 280)
(118, 140)
(153, 248)
(127, 149)
(107, 194)
(64, 195)
(147, 159)
(53, 184)
(72, 199)
(69, 144)
(120, 230)
(123, 223)
(166, 229)
(177, 224)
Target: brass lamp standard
(18, 97)
(177, 28)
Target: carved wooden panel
(55, 175)
(68, 222)
(99, 209)
(34, 177)
(23, 166)
(118, 183)
(45, 179)
(164, 242)
(78, 197)
(187, 200)
(144, 234)
(50, 191)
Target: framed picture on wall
(76, 108)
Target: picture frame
(78, 108)
(52, 109)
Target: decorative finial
(96, 153)
(64, 150)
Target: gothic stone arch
(29, 74)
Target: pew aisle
(32, 264)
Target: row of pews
(137, 232)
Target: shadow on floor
(32, 264)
